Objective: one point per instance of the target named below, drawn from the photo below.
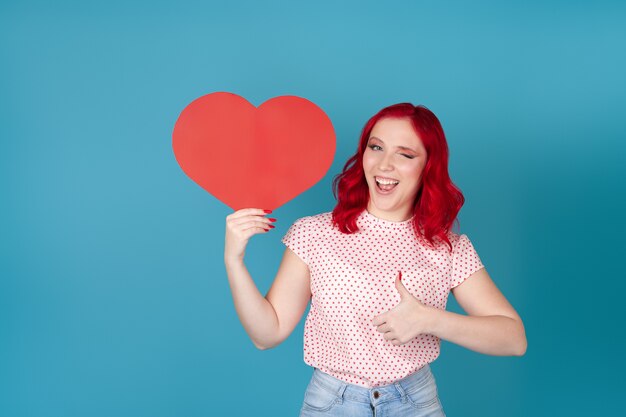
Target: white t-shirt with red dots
(353, 280)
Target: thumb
(400, 286)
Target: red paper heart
(254, 157)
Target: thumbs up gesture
(406, 320)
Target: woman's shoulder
(321, 220)
(458, 239)
(440, 244)
(453, 236)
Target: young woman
(378, 270)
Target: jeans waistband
(360, 393)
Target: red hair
(438, 200)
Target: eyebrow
(399, 147)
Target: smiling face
(394, 155)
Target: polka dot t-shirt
(353, 280)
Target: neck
(397, 216)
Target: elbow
(522, 348)
(261, 347)
(264, 347)
(522, 344)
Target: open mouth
(385, 185)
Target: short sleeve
(465, 261)
(298, 239)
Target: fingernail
(400, 275)
(272, 220)
(271, 226)
(267, 211)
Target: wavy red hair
(438, 200)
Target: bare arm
(267, 320)
(255, 313)
(289, 295)
(492, 327)
(270, 320)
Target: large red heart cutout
(254, 157)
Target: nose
(385, 163)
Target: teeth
(386, 182)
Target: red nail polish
(267, 211)
(400, 275)
(272, 220)
(272, 226)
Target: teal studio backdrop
(114, 300)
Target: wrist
(435, 316)
(233, 261)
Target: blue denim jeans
(415, 396)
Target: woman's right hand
(240, 226)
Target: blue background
(114, 299)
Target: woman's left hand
(405, 321)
